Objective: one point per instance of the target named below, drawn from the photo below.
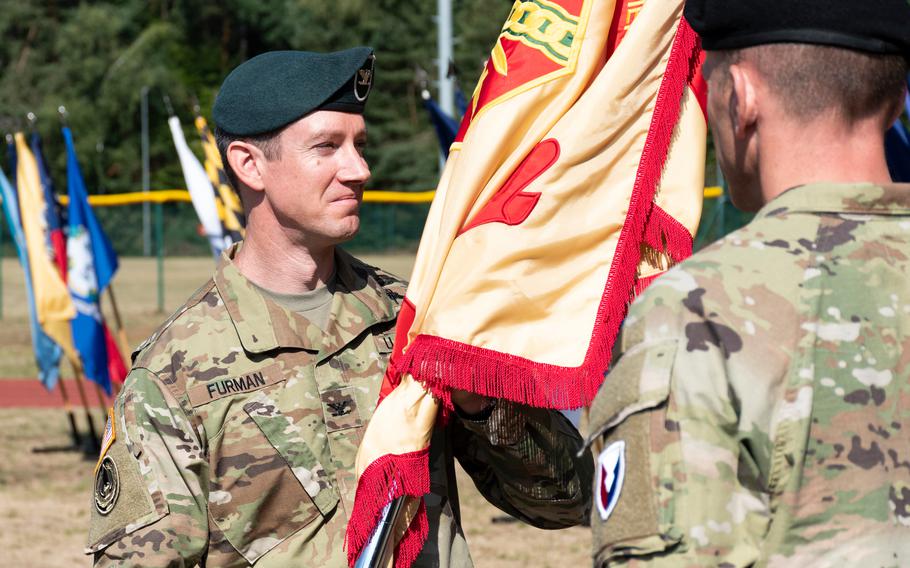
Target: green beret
(276, 88)
(874, 26)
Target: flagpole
(146, 178)
(121, 332)
(95, 442)
(68, 407)
(101, 399)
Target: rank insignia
(363, 81)
(107, 485)
(611, 468)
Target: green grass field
(44, 497)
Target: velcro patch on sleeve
(121, 501)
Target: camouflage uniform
(235, 436)
(764, 394)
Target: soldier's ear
(247, 161)
(743, 103)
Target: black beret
(276, 88)
(875, 26)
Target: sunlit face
(316, 184)
(735, 152)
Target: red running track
(30, 393)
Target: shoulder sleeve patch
(121, 502)
(633, 513)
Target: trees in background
(94, 56)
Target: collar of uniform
(850, 198)
(358, 303)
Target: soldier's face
(315, 186)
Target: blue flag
(897, 148)
(11, 154)
(47, 353)
(445, 126)
(56, 240)
(92, 263)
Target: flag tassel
(384, 480)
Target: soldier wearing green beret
(233, 440)
(760, 412)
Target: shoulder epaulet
(194, 299)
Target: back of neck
(821, 151)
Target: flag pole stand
(92, 445)
(76, 445)
(67, 405)
(121, 333)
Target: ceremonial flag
(575, 179)
(53, 305)
(47, 353)
(200, 188)
(230, 209)
(56, 238)
(92, 264)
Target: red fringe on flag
(384, 480)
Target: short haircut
(813, 79)
(268, 142)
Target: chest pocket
(267, 483)
(349, 388)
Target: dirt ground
(44, 496)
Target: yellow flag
(53, 303)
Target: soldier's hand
(470, 403)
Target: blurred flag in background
(230, 209)
(92, 264)
(53, 306)
(47, 353)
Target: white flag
(200, 188)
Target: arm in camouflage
(690, 495)
(763, 398)
(161, 470)
(524, 461)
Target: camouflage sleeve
(677, 483)
(149, 499)
(525, 462)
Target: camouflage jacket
(760, 412)
(234, 437)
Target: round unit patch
(363, 80)
(107, 486)
(611, 469)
